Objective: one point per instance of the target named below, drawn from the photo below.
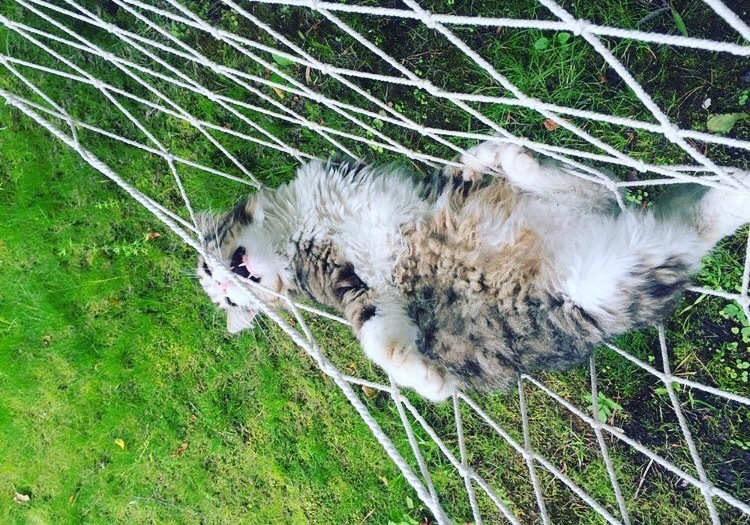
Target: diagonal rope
(155, 63)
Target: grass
(124, 400)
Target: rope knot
(581, 26)
(317, 97)
(325, 68)
(428, 20)
(672, 132)
(428, 86)
(640, 166)
(210, 95)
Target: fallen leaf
(369, 392)
(153, 235)
(72, 499)
(308, 80)
(384, 480)
(46, 340)
(277, 79)
(632, 138)
(706, 103)
(725, 122)
(550, 125)
(181, 450)
(120, 443)
(21, 498)
(601, 78)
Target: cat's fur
(463, 280)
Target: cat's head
(237, 238)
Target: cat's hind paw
(492, 156)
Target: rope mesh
(135, 55)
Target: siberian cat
(465, 280)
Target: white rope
(165, 61)
(603, 446)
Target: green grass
(106, 336)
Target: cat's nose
(237, 257)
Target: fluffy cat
(465, 280)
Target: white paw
(491, 156)
(723, 211)
(426, 378)
(515, 160)
(390, 341)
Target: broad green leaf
(679, 22)
(282, 61)
(725, 122)
(563, 37)
(542, 43)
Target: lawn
(124, 400)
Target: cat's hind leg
(625, 272)
(714, 213)
(542, 176)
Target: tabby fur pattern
(467, 278)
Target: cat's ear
(249, 211)
(254, 209)
(239, 319)
(206, 222)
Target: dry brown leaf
(550, 125)
(21, 498)
(153, 235)
(181, 450)
(72, 499)
(308, 80)
(46, 340)
(369, 392)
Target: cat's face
(237, 238)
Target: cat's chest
(365, 225)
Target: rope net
(209, 89)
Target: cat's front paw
(391, 344)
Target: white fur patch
(389, 339)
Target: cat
(469, 277)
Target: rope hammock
(153, 61)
